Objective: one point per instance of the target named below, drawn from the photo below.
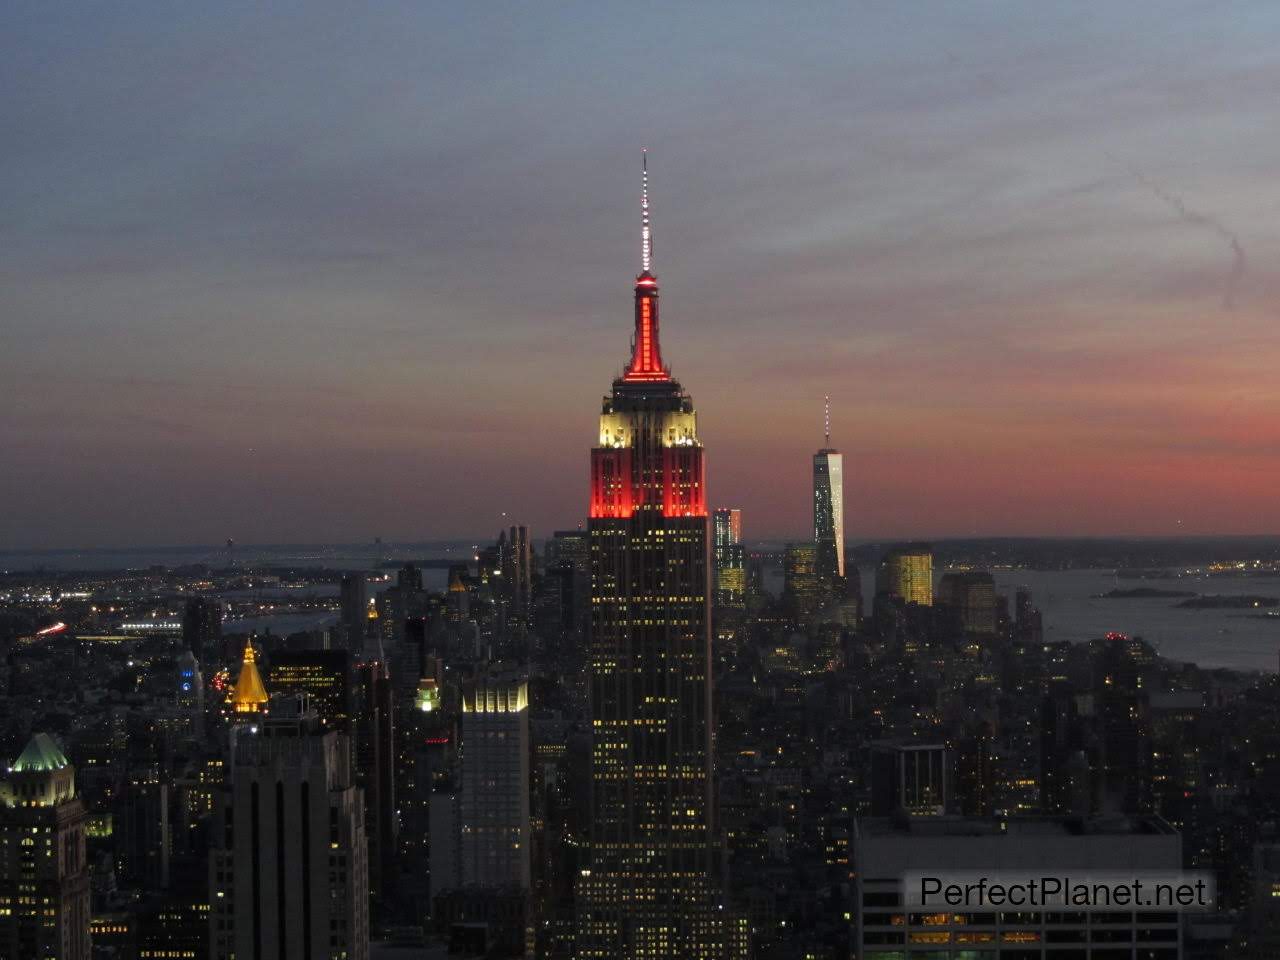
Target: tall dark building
(202, 628)
(970, 596)
(141, 829)
(1066, 782)
(354, 601)
(647, 889)
(1028, 624)
(563, 595)
(516, 563)
(375, 770)
(288, 874)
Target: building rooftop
(1014, 827)
(40, 755)
(888, 847)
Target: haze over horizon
(292, 276)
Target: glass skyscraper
(828, 513)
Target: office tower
(802, 586)
(729, 560)
(481, 832)
(249, 696)
(174, 925)
(517, 571)
(409, 578)
(141, 828)
(553, 602)
(354, 605)
(395, 606)
(887, 849)
(202, 627)
(414, 656)
(828, 512)
(910, 777)
(288, 870)
(647, 889)
(572, 546)
(503, 575)
(493, 795)
(564, 598)
(975, 778)
(375, 770)
(424, 742)
(1027, 626)
(970, 596)
(457, 596)
(1123, 724)
(1061, 738)
(852, 604)
(906, 573)
(323, 675)
(189, 695)
(44, 876)
(1177, 765)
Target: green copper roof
(40, 755)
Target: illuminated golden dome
(249, 694)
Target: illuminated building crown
(250, 694)
(646, 352)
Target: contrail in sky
(1238, 259)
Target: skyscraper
(517, 571)
(189, 696)
(481, 837)
(728, 557)
(44, 875)
(647, 890)
(202, 627)
(970, 595)
(288, 872)
(375, 770)
(323, 675)
(828, 512)
(802, 586)
(494, 783)
(906, 573)
(354, 602)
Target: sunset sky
(319, 272)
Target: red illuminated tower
(648, 891)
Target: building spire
(826, 419)
(646, 356)
(646, 234)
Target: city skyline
(376, 583)
(1021, 251)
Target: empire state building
(648, 889)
